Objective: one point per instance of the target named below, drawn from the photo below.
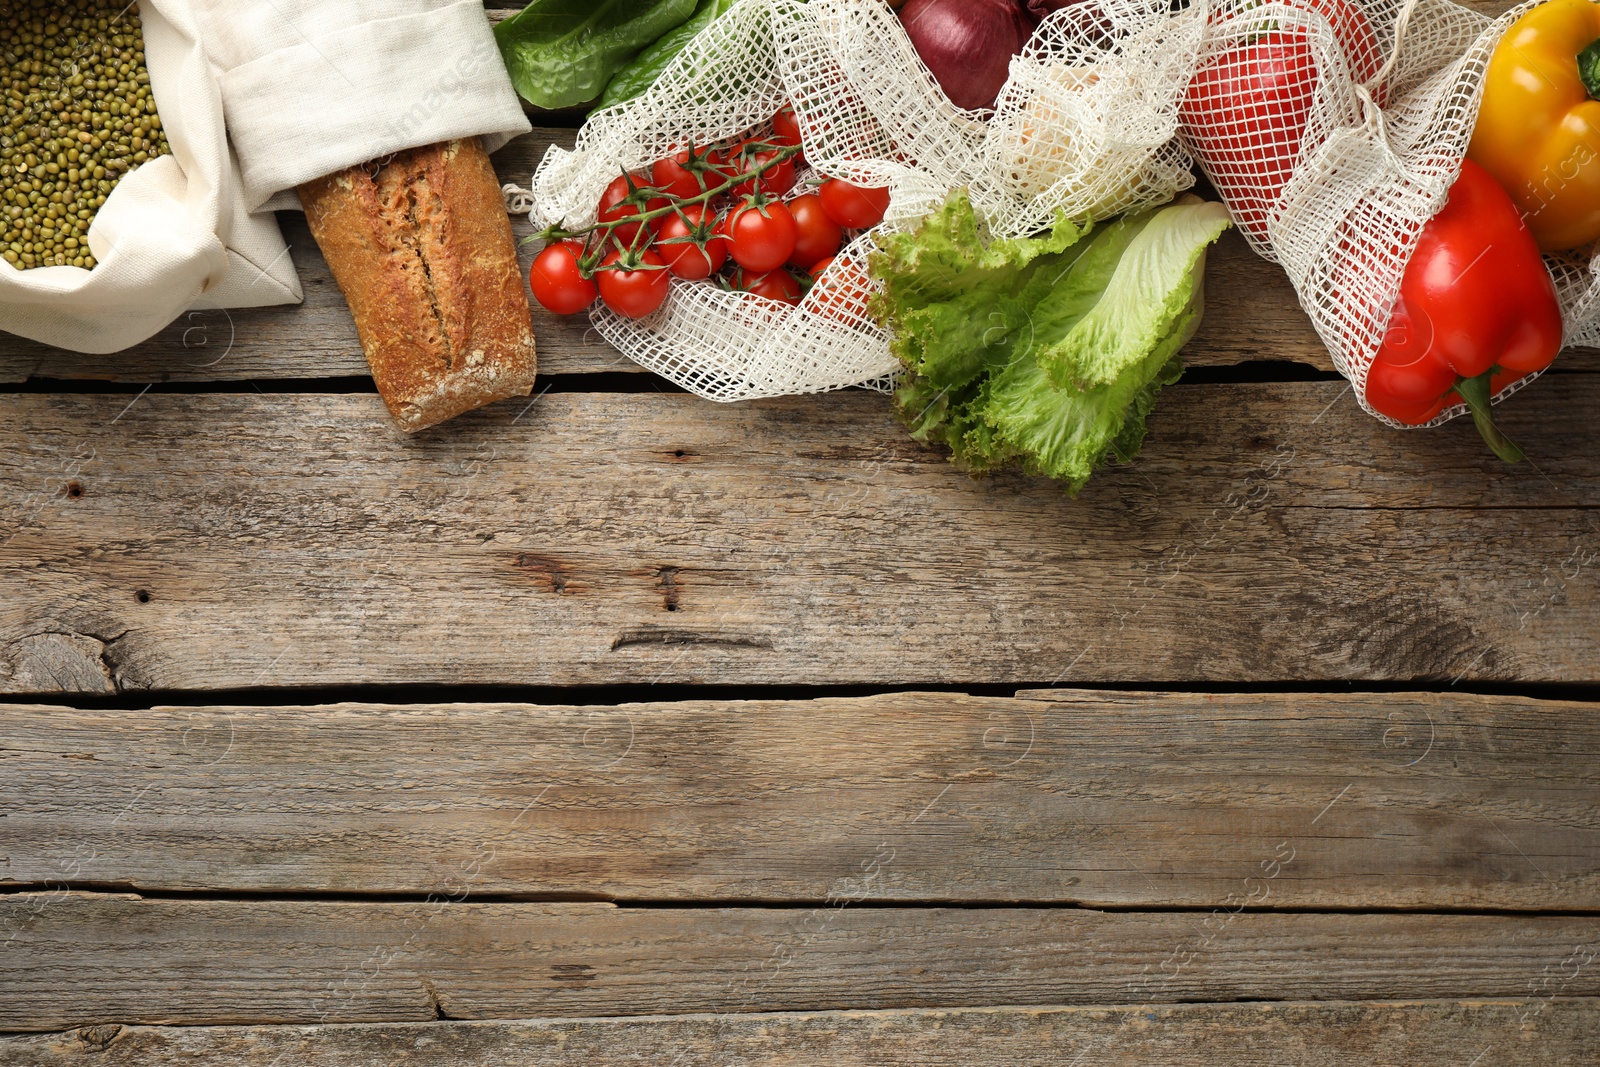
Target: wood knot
(96, 1038)
(667, 583)
(550, 572)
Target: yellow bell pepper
(1538, 130)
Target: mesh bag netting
(1337, 181)
(1104, 112)
(1086, 125)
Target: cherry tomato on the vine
(612, 207)
(776, 180)
(633, 293)
(774, 285)
(690, 245)
(817, 236)
(672, 177)
(820, 268)
(762, 236)
(558, 282)
(851, 206)
(786, 127)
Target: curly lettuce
(1044, 353)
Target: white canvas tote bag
(257, 96)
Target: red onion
(968, 44)
(1043, 8)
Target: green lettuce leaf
(563, 52)
(957, 305)
(1066, 432)
(1047, 352)
(641, 73)
(1146, 286)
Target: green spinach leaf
(639, 75)
(563, 52)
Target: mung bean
(78, 116)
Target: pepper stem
(1589, 69)
(1475, 391)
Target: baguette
(421, 246)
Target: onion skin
(1043, 9)
(968, 44)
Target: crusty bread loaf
(421, 245)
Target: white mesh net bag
(1337, 182)
(1099, 116)
(1085, 126)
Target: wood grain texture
(78, 960)
(1427, 1034)
(1251, 314)
(1301, 801)
(1269, 532)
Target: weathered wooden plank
(78, 960)
(1555, 1033)
(1296, 801)
(1270, 532)
(1251, 315)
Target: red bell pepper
(1477, 310)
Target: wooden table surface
(611, 726)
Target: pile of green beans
(76, 114)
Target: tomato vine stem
(641, 194)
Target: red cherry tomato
(785, 126)
(852, 206)
(841, 291)
(817, 237)
(557, 282)
(689, 246)
(612, 208)
(820, 268)
(633, 294)
(761, 238)
(775, 181)
(777, 285)
(673, 178)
